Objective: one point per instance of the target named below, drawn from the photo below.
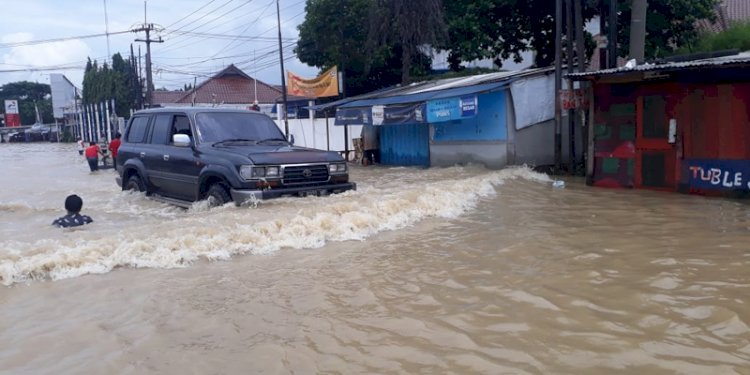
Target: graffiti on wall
(718, 174)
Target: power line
(195, 11)
(201, 17)
(55, 40)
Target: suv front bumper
(243, 196)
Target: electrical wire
(55, 40)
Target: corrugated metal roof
(739, 59)
(443, 88)
(425, 95)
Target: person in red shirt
(92, 156)
(113, 146)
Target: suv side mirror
(291, 139)
(181, 140)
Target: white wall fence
(320, 133)
(97, 121)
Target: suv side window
(181, 125)
(161, 135)
(138, 129)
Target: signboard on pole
(326, 84)
(63, 95)
(12, 116)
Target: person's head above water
(73, 203)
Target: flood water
(456, 270)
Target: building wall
(490, 154)
(319, 134)
(481, 139)
(714, 123)
(710, 151)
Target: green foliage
(118, 82)
(736, 37)
(335, 32)
(28, 94)
(670, 25)
(503, 29)
(377, 42)
(406, 24)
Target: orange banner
(326, 84)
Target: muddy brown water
(456, 270)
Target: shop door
(655, 166)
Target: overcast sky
(200, 37)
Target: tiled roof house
(727, 13)
(230, 86)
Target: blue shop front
(447, 123)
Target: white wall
(312, 133)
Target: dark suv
(185, 155)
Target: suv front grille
(305, 174)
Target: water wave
(228, 231)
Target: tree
(117, 82)
(407, 24)
(335, 33)
(736, 36)
(502, 29)
(30, 95)
(670, 25)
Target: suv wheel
(217, 195)
(135, 183)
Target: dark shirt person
(73, 204)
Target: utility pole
(612, 24)
(558, 84)
(283, 79)
(570, 38)
(638, 30)
(106, 29)
(148, 27)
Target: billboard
(326, 84)
(12, 117)
(63, 95)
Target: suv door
(135, 146)
(176, 168)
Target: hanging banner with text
(398, 114)
(326, 84)
(353, 116)
(12, 117)
(452, 108)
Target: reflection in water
(450, 270)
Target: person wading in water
(92, 156)
(73, 204)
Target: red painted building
(680, 126)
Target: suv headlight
(336, 168)
(254, 172)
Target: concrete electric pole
(148, 27)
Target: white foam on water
(180, 237)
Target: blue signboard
(468, 106)
(717, 174)
(451, 108)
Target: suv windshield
(227, 126)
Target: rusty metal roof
(738, 59)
